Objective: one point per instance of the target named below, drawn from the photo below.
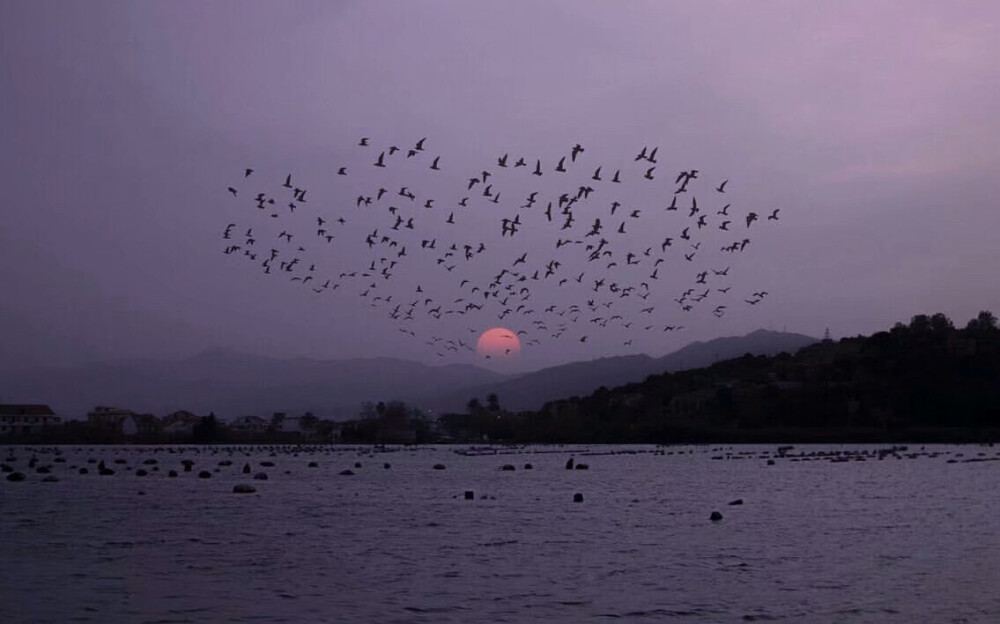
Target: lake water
(821, 536)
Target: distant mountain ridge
(233, 384)
(532, 390)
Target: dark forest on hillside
(923, 381)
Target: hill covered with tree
(922, 381)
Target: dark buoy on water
(243, 488)
(386, 465)
(204, 474)
(738, 501)
(246, 468)
(260, 476)
(16, 476)
(172, 474)
(569, 464)
(578, 498)
(582, 467)
(507, 467)
(313, 465)
(347, 473)
(528, 467)
(770, 462)
(438, 466)
(715, 517)
(470, 495)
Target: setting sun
(498, 342)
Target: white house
(25, 418)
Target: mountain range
(233, 384)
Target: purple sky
(871, 125)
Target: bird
(751, 217)
(774, 215)
(629, 271)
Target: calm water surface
(913, 537)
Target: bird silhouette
(629, 272)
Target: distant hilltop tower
(826, 336)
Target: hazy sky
(872, 126)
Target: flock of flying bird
(555, 251)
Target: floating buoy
(569, 464)
(243, 488)
(578, 498)
(470, 495)
(738, 501)
(715, 517)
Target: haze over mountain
(530, 391)
(233, 384)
